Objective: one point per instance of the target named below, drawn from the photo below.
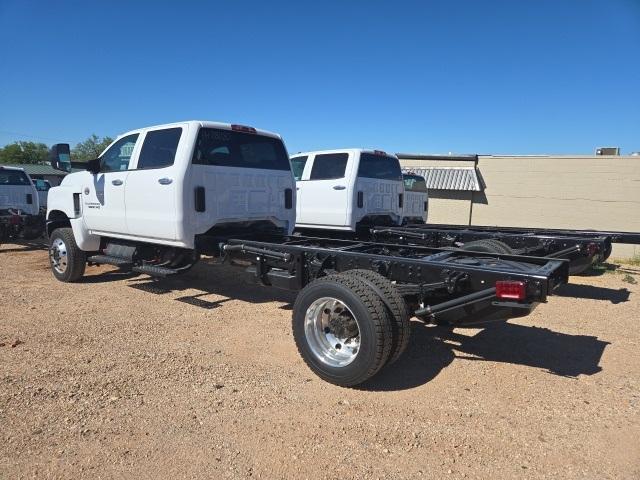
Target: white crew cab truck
(347, 189)
(159, 195)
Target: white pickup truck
(156, 192)
(348, 189)
(19, 205)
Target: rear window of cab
(228, 148)
(13, 177)
(415, 183)
(381, 167)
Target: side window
(118, 156)
(41, 185)
(159, 148)
(297, 165)
(329, 165)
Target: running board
(122, 263)
(154, 271)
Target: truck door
(325, 195)
(103, 193)
(152, 186)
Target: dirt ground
(122, 376)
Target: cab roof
(344, 150)
(201, 123)
(6, 167)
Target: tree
(91, 148)
(24, 152)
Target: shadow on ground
(25, 247)
(221, 281)
(600, 269)
(433, 348)
(591, 292)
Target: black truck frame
(581, 247)
(441, 286)
(356, 298)
(424, 273)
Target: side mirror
(60, 157)
(93, 166)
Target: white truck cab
(347, 189)
(17, 191)
(416, 199)
(19, 206)
(171, 185)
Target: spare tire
(489, 245)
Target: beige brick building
(567, 191)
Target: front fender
(62, 199)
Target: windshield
(379, 166)
(13, 177)
(226, 148)
(414, 183)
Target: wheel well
(56, 219)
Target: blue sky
(492, 76)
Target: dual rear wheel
(348, 326)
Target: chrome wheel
(332, 332)
(58, 255)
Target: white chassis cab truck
(159, 196)
(416, 199)
(156, 192)
(347, 190)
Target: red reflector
(592, 249)
(511, 290)
(15, 220)
(243, 128)
(379, 152)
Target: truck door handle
(165, 181)
(117, 182)
(339, 187)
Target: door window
(159, 148)
(118, 156)
(328, 166)
(297, 165)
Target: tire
(67, 260)
(396, 309)
(488, 246)
(501, 247)
(339, 365)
